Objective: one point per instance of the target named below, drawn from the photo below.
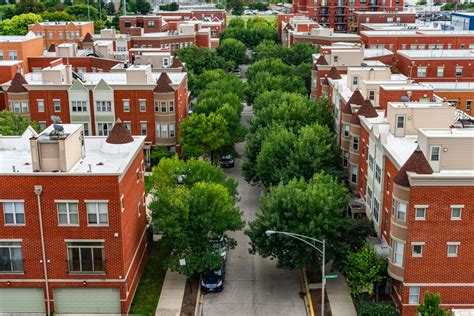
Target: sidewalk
(172, 293)
(339, 296)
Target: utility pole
(124, 7)
(100, 10)
(88, 11)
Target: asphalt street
(253, 285)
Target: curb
(200, 298)
(308, 300)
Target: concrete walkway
(339, 296)
(172, 293)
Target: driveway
(253, 285)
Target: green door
(22, 300)
(86, 300)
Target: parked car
(219, 244)
(213, 281)
(227, 161)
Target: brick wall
(386, 96)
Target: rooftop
(451, 132)
(417, 32)
(18, 38)
(64, 23)
(445, 86)
(100, 158)
(442, 53)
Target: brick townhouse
(337, 13)
(437, 65)
(61, 32)
(458, 94)
(149, 103)
(20, 47)
(396, 40)
(401, 146)
(382, 17)
(73, 237)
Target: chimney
(139, 74)
(58, 148)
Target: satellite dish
(58, 128)
(56, 119)
(405, 98)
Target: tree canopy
(233, 50)
(314, 208)
(251, 33)
(18, 24)
(431, 305)
(190, 216)
(15, 125)
(199, 59)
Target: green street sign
(331, 276)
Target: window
(86, 257)
(25, 108)
(372, 95)
(1, 55)
(345, 159)
(12, 55)
(404, 46)
(401, 211)
(163, 107)
(79, 106)
(143, 128)
(354, 174)
(97, 213)
(421, 72)
(355, 81)
(14, 213)
(397, 252)
(456, 211)
(336, 59)
(435, 150)
(355, 143)
(166, 62)
(371, 162)
(142, 104)
(127, 24)
(346, 129)
(104, 128)
(50, 35)
(468, 105)
(420, 212)
(388, 183)
(103, 106)
(378, 173)
(60, 35)
(128, 126)
(453, 248)
(440, 72)
(42, 125)
(171, 127)
(86, 129)
(126, 105)
(400, 121)
(11, 258)
(151, 24)
(376, 210)
(67, 213)
(413, 47)
(458, 71)
(369, 197)
(57, 105)
(414, 296)
(164, 131)
(40, 105)
(417, 249)
(171, 106)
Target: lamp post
(312, 244)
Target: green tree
(315, 208)
(173, 6)
(18, 25)
(367, 309)
(266, 81)
(199, 59)
(110, 8)
(82, 12)
(233, 50)
(431, 306)
(190, 216)
(99, 25)
(158, 153)
(237, 23)
(365, 271)
(15, 125)
(29, 6)
(57, 16)
(203, 135)
(199, 82)
(301, 53)
(142, 7)
(268, 49)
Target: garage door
(22, 300)
(86, 300)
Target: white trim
(12, 201)
(457, 205)
(441, 284)
(453, 243)
(11, 240)
(135, 254)
(416, 255)
(96, 201)
(84, 240)
(397, 239)
(66, 201)
(399, 225)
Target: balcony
(395, 271)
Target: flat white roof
(447, 86)
(18, 38)
(448, 132)
(375, 52)
(65, 23)
(383, 13)
(416, 105)
(442, 53)
(10, 62)
(104, 158)
(401, 148)
(408, 87)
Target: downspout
(38, 191)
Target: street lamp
(312, 244)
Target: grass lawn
(149, 289)
(269, 18)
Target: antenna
(405, 99)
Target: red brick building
(337, 13)
(358, 18)
(436, 65)
(20, 47)
(73, 237)
(418, 39)
(149, 103)
(61, 32)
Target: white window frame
(140, 103)
(16, 244)
(453, 207)
(171, 130)
(414, 295)
(346, 130)
(453, 243)
(126, 105)
(97, 212)
(458, 68)
(413, 253)
(57, 105)
(378, 173)
(68, 212)
(371, 94)
(431, 153)
(14, 212)
(142, 124)
(420, 207)
(396, 254)
(440, 73)
(421, 72)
